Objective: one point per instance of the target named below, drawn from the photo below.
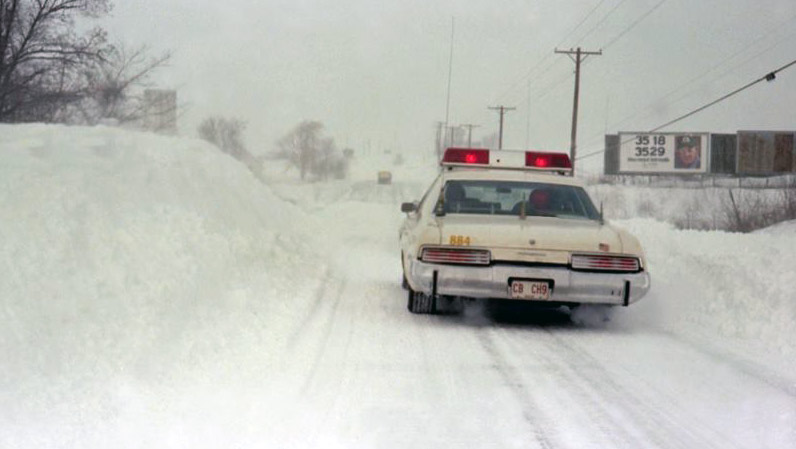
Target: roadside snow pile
(688, 208)
(133, 267)
(734, 290)
(729, 287)
(784, 228)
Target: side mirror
(408, 207)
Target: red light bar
(547, 160)
(605, 263)
(456, 256)
(467, 156)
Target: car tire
(421, 303)
(404, 282)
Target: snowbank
(786, 228)
(734, 289)
(137, 270)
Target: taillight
(456, 255)
(605, 263)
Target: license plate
(538, 290)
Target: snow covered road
(155, 295)
(369, 374)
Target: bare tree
(301, 145)
(115, 85)
(227, 135)
(42, 55)
(325, 160)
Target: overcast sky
(375, 72)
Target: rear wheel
(421, 303)
(404, 282)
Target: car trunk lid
(540, 239)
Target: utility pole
(469, 133)
(580, 56)
(502, 110)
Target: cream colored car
(512, 225)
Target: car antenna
(602, 219)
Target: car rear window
(515, 198)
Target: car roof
(485, 174)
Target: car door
(415, 221)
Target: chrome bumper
(493, 282)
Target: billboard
(766, 152)
(664, 153)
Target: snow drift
(134, 265)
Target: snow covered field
(154, 294)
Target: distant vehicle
(510, 225)
(385, 177)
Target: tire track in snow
(595, 408)
(325, 337)
(749, 368)
(531, 412)
(315, 345)
(663, 426)
(320, 295)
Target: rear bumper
(493, 282)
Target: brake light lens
(547, 160)
(456, 256)
(469, 156)
(605, 263)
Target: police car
(513, 225)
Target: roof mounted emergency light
(466, 156)
(548, 161)
(513, 160)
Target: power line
(635, 114)
(605, 17)
(547, 56)
(633, 25)
(544, 92)
(608, 14)
(527, 76)
(585, 18)
(771, 76)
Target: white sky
(377, 71)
